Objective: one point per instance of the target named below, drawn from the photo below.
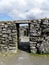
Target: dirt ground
(23, 58)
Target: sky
(23, 9)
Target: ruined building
(39, 36)
(37, 30)
(23, 30)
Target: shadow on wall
(24, 46)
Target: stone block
(33, 50)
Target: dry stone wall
(8, 37)
(39, 36)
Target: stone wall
(23, 30)
(8, 37)
(39, 36)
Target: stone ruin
(23, 30)
(38, 35)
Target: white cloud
(22, 3)
(23, 9)
(39, 1)
(35, 11)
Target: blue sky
(23, 9)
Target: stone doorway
(23, 37)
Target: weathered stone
(33, 50)
(9, 31)
(4, 31)
(8, 36)
(5, 35)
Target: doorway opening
(24, 37)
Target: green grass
(39, 54)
